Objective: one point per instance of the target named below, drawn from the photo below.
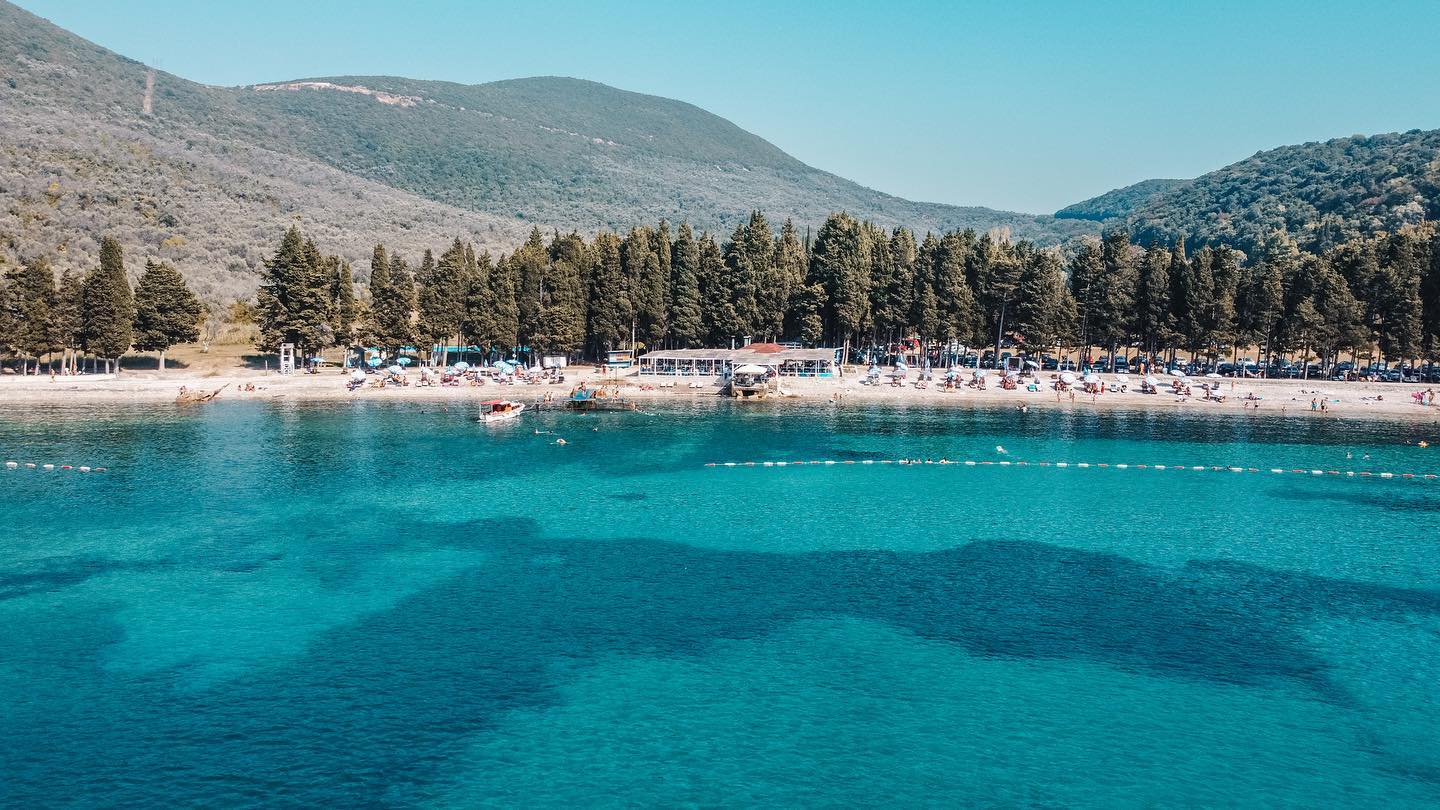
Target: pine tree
(530, 264)
(650, 288)
(999, 270)
(441, 297)
(1045, 310)
(36, 331)
(687, 327)
(957, 312)
(561, 314)
(1430, 299)
(1113, 298)
(1220, 320)
(1401, 308)
(840, 264)
(924, 307)
(717, 290)
(392, 302)
(612, 309)
(1153, 324)
(70, 316)
(1260, 296)
(504, 320)
(166, 312)
(293, 302)
(792, 263)
(109, 308)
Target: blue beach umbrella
(404, 361)
(374, 362)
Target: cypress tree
(344, 307)
(687, 327)
(109, 308)
(791, 266)
(166, 312)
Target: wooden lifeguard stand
(287, 358)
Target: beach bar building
(816, 363)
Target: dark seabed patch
(385, 701)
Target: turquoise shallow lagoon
(367, 604)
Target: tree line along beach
(881, 295)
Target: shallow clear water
(376, 604)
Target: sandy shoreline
(1346, 400)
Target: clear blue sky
(1020, 105)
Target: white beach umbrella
(1150, 381)
(1092, 378)
(462, 366)
(1213, 376)
(1031, 364)
(397, 370)
(357, 375)
(1067, 378)
(1177, 372)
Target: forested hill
(1322, 194)
(204, 175)
(577, 153)
(1119, 202)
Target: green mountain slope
(1119, 202)
(360, 159)
(1320, 193)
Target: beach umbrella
(951, 374)
(980, 375)
(1150, 381)
(1067, 378)
(462, 366)
(1031, 364)
(1177, 372)
(374, 362)
(1092, 378)
(396, 369)
(1212, 375)
(404, 361)
(357, 375)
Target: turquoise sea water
(373, 604)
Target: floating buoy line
(30, 465)
(1080, 465)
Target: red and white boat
(500, 410)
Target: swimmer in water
(1002, 451)
(561, 441)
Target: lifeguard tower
(287, 358)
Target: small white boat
(500, 410)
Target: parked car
(1067, 365)
(1049, 363)
(1122, 366)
